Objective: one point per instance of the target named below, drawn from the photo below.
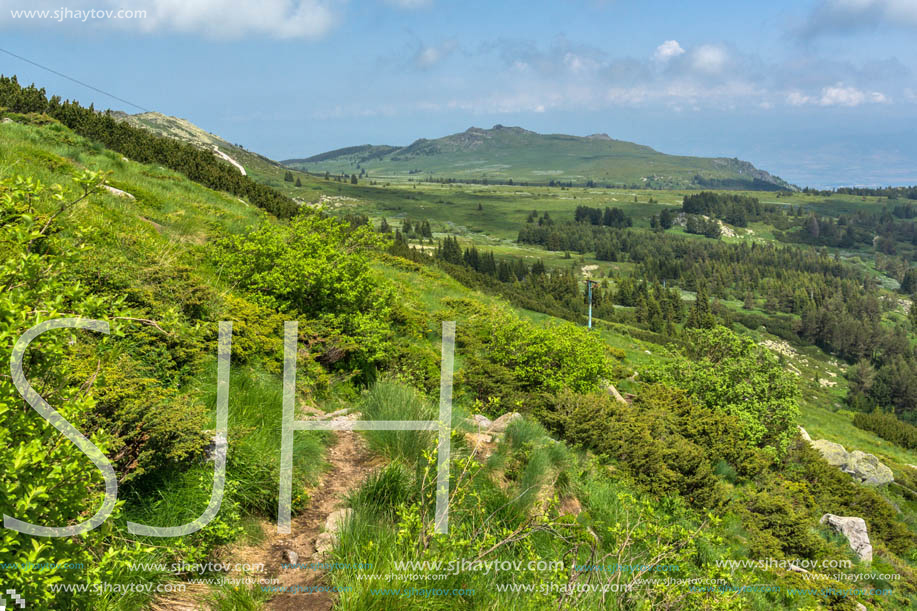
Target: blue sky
(822, 93)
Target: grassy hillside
(503, 153)
(601, 504)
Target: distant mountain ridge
(504, 153)
(186, 131)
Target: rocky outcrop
(867, 468)
(864, 467)
(500, 424)
(487, 433)
(804, 435)
(855, 531)
(833, 453)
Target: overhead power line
(78, 82)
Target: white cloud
(223, 19)
(837, 95)
(709, 58)
(667, 51)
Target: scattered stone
(477, 439)
(500, 424)
(868, 469)
(6, 120)
(118, 192)
(797, 569)
(614, 393)
(335, 414)
(855, 531)
(861, 607)
(324, 543)
(482, 422)
(804, 435)
(290, 556)
(336, 520)
(864, 467)
(832, 452)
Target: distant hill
(504, 153)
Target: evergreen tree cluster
(611, 217)
(734, 209)
(888, 427)
(699, 225)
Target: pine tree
(749, 301)
(384, 227)
(298, 182)
(700, 316)
(288, 176)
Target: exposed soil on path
(349, 462)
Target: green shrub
(887, 426)
(732, 374)
(647, 441)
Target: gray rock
(855, 531)
(118, 192)
(867, 469)
(614, 393)
(290, 556)
(6, 120)
(336, 520)
(862, 466)
(500, 424)
(804, 435)
(482, 422)
(833, 453)
(324, 543)
(476, 439)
